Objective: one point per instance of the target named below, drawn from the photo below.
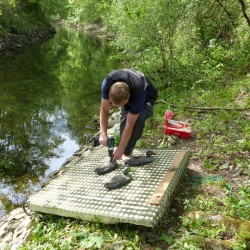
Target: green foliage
(175, 41)
(241, 49)
(193, 228)
(172, 41)
(16, 20)
(45, 10)
(215, 20)
(207, 44)
(146, 33)
(25, 17)
(94, 241)
(88, 11)
(231, 211)
(196, 47)
(62, 233)
(238, 204)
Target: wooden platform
(80, 193)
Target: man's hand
(118, 154)
(103, 139)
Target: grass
(211, 209)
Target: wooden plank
(156, 197)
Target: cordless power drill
(110, 144)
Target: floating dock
(80, 193)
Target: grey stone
(8, 237)
(14, 229)
(17, 233)
(3, 229)
(26, 222)
(3, 245)
(13, 213)
(20, 215)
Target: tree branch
(204, 108)
(244, 10)
(224, 8)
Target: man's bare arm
(127, 132)
(104, 115)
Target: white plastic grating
(80, 193)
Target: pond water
(49, 95)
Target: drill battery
(110, 144)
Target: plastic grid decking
(80, 193)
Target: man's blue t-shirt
(134, 106)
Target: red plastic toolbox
(183, 130)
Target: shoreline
(15, 227)
(14, 43)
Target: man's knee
(143, 117)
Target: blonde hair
(119, 92)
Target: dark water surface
(48, 97)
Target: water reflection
(48, 96)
